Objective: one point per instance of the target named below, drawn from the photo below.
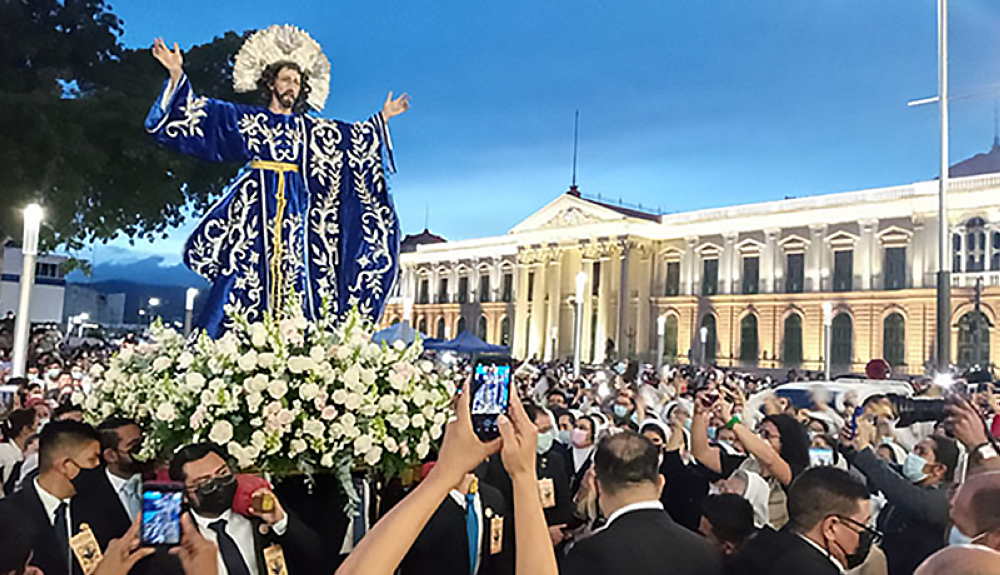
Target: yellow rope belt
(279, 214)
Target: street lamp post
(29, 253)
(944, 267)
(827, 343)
(152, 303)
(581, 282)
(703, 335)
(661, 330)
(191, 294)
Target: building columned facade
(754, 276)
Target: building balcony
(968, 279)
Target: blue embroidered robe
(339, 235)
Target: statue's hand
(172, 60)
(395, 107)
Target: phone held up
(162, 506)
(490, 394)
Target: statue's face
(286, 88)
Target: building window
(708, 348)
(670, 338)
(423, 296)
(894, 339)
(895, 268)
(595, 284)
(843, 270)
(973, 339)
(673, 286)
(996, 252)
(505, 331)
(46, 270)
(710, 277)
(841, 340)
(442, 290)
(422, 326)
(531, 286)
(956, 255)
(748, 340)
(459, 326)
(791, 345)
(440, 329)
(481, 329)
(484, 287)
(463, 289)
(975, 245)
(795, 273)
(507, 294)
(751, 274)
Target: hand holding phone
(162, 507)
(489, 395)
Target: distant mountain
(148, 271)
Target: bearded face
(285, 90)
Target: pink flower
(285, 417)
(329, 412)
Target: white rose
(390, 445)
(428, 412)
(343, 352)
(398, 345)
(326, 460)
(248, 361)
(297, 446)
(423, 449)
(161, 363)
(91, 403)
(258, 335)
(436, 431)
(387, 402)
(363, 444)
(418, 421)
(194, 381)
(352, 378)
(290, 331)
(317, 354)
(329, 412)
(207, 397)
(368, 376)
(257, 383)
(425, 366)
(300, 364)
(419, 397)
(373, 455)
(440, 418)
(348, 420)
(254, 400)
(185, 360)
(258, 439)
(353, 401)
(166, 412)
(277, 388)
(399, 421)
(308, 391)
(369, 410)
(398, 380)
(221, 433)
(266, 359)
(339, 397)
(313, 427)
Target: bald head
(961, 560)
(975, 509)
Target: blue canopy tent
(397, 332)
(468, 343)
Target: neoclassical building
(755, 276)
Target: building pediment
(568, 211)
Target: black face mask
(84, 478)
(215, 496)
(861, 553)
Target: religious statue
(309, 220)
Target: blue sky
(683, 104)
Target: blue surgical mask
(545, 441)
(621, 411)
(713, 432)
(565, 436)
(687, 425)
(913, 468)
(956, 537)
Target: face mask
(687, 425)
(713, 432)
(41, 423)
(545, 441)
(861, 553)
(913, 468)
(83, 477)
(579, 438)
(216, 496)
(956, 537)
(621, 411)
(565, 436)
(77, 375)
(52, 374)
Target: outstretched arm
(393, 108)
(172, 60)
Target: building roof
(627, 212)
(411, 241)
(988, 163)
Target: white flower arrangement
(284, 396)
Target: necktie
(61, 525)
(131, 491)
(231, 556)
(472, 528)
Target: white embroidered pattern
(283, 140)
(189, 126)
(325, 164)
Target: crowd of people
(695, 470)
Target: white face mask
(913, 468)
(956, 537)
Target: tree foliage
(72, 105)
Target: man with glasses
(210, 488)
(827, 533)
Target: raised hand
(172, 60)
(393, 108)
(122, 554)
(462, 450)
(520, 440)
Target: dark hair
(593, 426)
(109, 431)
(552, 392)
(265, 84)
(16, 548)
(794, 442)
(59, 436)
(532, 411)
(17, 421)
(190, 453)
(731, 517)
(64, 408)
(946, 453)
(649, 426)
(820, 492)
(625, 459)
(561, 412)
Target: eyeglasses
(876, 535)
(202, 481)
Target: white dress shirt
(477, 504)
(118, 484)
(638, 506)
(241, 530)
(50, 503)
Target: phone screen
(490, 395)
(162, 506)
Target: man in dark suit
(45, 507)
(111, 499)
(443, 546)
(827, 531)
(639, 537)
(210, 489)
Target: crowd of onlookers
(619, 470)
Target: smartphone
(490, 389)
(162, 506)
